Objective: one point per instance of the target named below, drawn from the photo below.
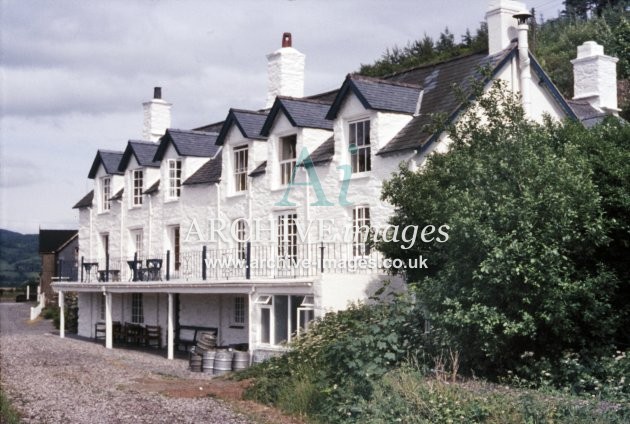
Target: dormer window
(137, 177)
(360, 150)
(106, 190)
(174, 178)
(287, 158)
(240, 168)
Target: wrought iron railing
(270, 260)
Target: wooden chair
(153, 336)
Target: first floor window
(138, 243)
(106, 193)
(138, 177)
(105, 246)
(175, 244)
(359, 141)
(241, 237)
(137, 312)
(240, 168)
(360, 230)
(174, 178)
(287, 236)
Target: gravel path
(53, 380)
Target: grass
(8, 414)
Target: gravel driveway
(53, 380)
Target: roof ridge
(355, 76)
(192, 131)
(110, 151)
(305, 100)
(441, 62)
(143, 142)
(251, 112)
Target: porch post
(108, 321)
(169, 331)
(62, 315)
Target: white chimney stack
(595, 77)
(285, 68)
(157, 116)
(524, 62)
(502, 26)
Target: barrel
(195, 362)
(222, 362)
(240, 361)
(208, 361)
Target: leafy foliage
(528, 267)
(19, 260)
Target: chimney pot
(157, 92)
(286, 39)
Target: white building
(299, 179)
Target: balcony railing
(271, 260)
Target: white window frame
(174, 178)
(287, 236)
(137, 242)
(267, 302)
(240, 159)
(137, 186)
(359, 136)
(286, 158)
(137, 308)
(241, 234)
(106, 194)
(360, 230)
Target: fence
(270, 260)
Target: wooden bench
(186, 335)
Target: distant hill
(19, 258)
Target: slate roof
(187, 143)
(439, 97)
(118, 195)
(209, 173)
(143, 151)
(215, 127)
(260, 169)
(248, 122)
(324, 152)
(109, 159)
(378, 94)
(50, 241)
(587, 114)
(302, 113)
(85, 202)
(154, 188)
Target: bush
(406, 395)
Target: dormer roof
(248, 122)
(109, 159)
(301, 113)
(142, 151)
(209, 173)
(187, 143)
(378, 94)
(85, 202)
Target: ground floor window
(283, 317)
(137, 310)
(239, 310)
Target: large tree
(527, 267)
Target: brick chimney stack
(157, 116)
(285, 71)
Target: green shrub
(8, 414)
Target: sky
(74, 74)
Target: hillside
(19, 259)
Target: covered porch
(255, 315)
